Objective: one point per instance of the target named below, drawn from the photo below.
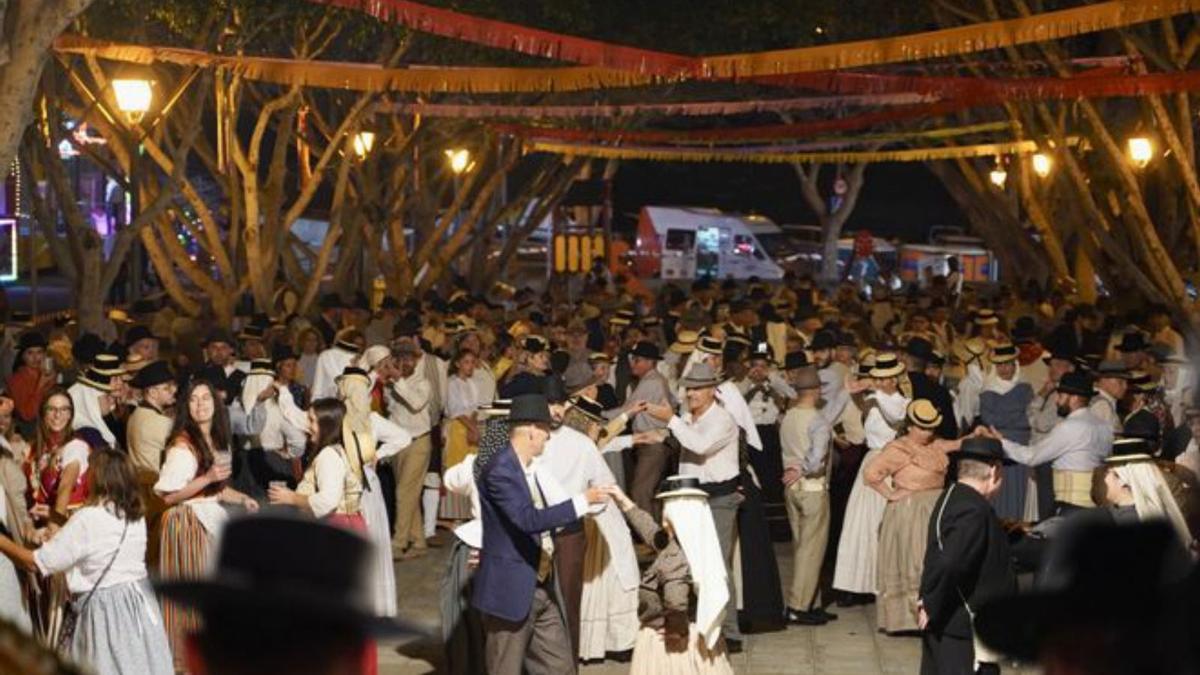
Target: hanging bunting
(688, 109)
(936, 44)
(760, 156)
(517, 38)
(362, 76)
(1101, 82)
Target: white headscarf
(1152, 498)
(355, 392)
(86, 401)
(254, 385)
(994, 383)
(696, 533)
(967, 402)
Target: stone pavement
(848, 646)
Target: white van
(689, 242)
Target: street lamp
(998, 176)
(460, 160)
(1042, 164)
(1141, 151)
(133, 97)
(363, 142)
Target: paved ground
(849, 645)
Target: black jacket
(939, 396)
(973, 559)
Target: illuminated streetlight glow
(133, 97)
(998, 176)
(363, 142)
(1141, 151)
(460, 160)
(1042, 164)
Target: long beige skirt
(650, 656)
(902, 539)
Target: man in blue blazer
(523, 622)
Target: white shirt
(1078, 443)
(462, 398)
(86, 544)
(460, 479)
(284, 423)
(1190, 457)
(574, 460)
(1104, 407)
(411, 411)
(179, 468)
(330, 365)
(710, 444)
(330, 467)
(731, 399)
(75, 451)
(889, 409)
(390, 438)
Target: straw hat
(685, 342)
(922, 414)
(887, 365)
(1004, 353)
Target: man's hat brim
(227, 594)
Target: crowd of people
(615, 471)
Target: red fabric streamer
(522, 39)
(972, 93)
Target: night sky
(899, 200)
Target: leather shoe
(733, 646)
(828, 616)
(797, 617)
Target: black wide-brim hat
(530, 409)
(153, 373)
(278, 564)
(1094, 574)
(982, 449)
(646, 350)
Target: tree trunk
(30, 27)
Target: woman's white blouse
(462, 397)
(330, 468)
(85, 545)
(179, 468)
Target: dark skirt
(762, 592)
(768, 466)
(1009, 502)
(462, 629)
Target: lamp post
(134, 96)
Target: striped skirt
(183, 554)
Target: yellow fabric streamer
(362, 76)
(948, 42)
(765, 157)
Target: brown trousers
(570, 548)
(539, 645)
(648, 474)
(808, 513)
(409, 467)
